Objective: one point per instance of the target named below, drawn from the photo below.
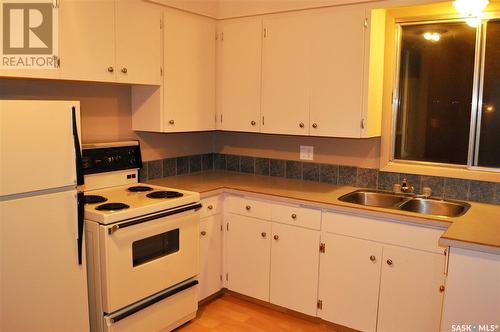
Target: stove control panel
(101, 158)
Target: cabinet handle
(111, 69)
(294, 216)
(124, 70)
(263, 234)
(301, 125)
(389, 262)
(441, 289)
(315, 125)
(171, 122)
(210, 207)
(248, 207)
(203, 233)
(372, 258)
(253, 123)
(276, 237)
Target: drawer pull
(203, 233)
(248, 207)
(111, 69)
(389, 262)
(263, 234)
(276, 237)
(301, 125)
(210, 207)
(441, 289)
(372, 258)
(294, 216)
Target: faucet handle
(426, 191)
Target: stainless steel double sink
(407, 202)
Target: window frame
(425, 14)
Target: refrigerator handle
(78, 151)
(80, 221)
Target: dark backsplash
(478, 191)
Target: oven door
(143, 256)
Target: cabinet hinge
(322, 248)
(161, 71)
(227, 227)
(222, 36)
(263, 120)
(221, 229)
(363, 123)
(221, 115)
(319, 304)
(227, 276)
(265, 32)
(366, 23)
(221, 277)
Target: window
(448, 94)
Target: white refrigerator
(43, 277)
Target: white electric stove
(142, 244)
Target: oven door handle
(167, 213)
(124, 313)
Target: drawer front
(296, 215)
(211, 206)
(248, 207)
(390, 232)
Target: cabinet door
(285, 75)
(248, 256)
(241, 75)
(294, 268)
(349, 281)
(189, 79)
(410, 296)
(210, 256)
(138, 42)
(337, 66)
(87, 40)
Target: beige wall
(355, 152)
(106, 115)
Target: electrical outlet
(306, 152)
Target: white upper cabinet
(285, 74)
(239, 84)
(138, 42)
(110, 41)
(87, 40)
(337, 71)
(189, 78)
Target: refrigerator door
(42, 286)
(38, 149)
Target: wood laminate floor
(232, 314)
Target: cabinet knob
(171, 122)
(253, 123)
(315, 125)
(389, 262)
(203, 233)
(210, 207)
(248, 207)
(294, 216)
(263, 234)
(301, 125)
(276, 237)
(441, 289)
(372, 258)
(124, 70)
(111, 69)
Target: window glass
(154, 247)
(489, 141)
(436, 75)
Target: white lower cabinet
(349, 281)
(210, 256)
(294, 268)
(248, 256)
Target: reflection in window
(436, 77)
(489, 142)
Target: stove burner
(164, 194)
(112, 207)
(93, 199)
(139, 188)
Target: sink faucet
(406, 187)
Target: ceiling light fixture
(432, 36)
(472, 10)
